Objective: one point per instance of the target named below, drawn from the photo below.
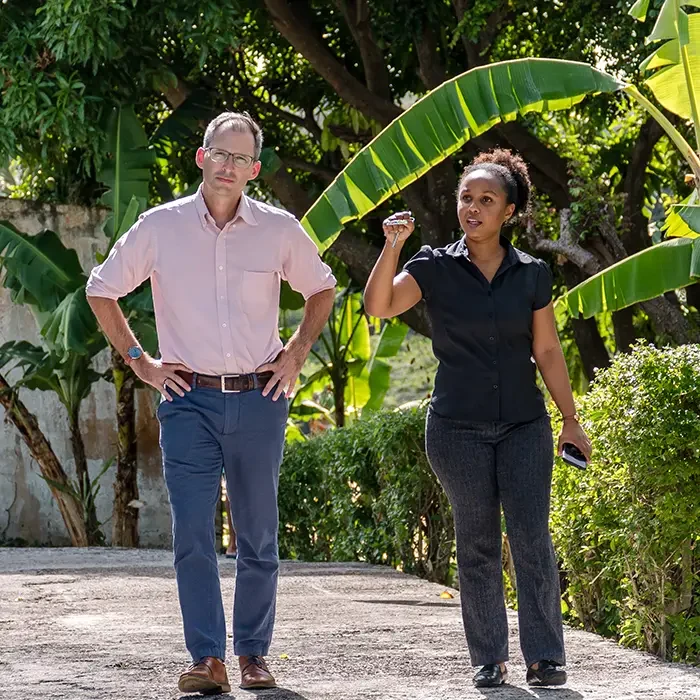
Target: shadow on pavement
(511, 692)
(269, 694)
(417, 603)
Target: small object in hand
(398, 222)
(572, 455)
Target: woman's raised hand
(398, 227)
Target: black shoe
(490, 676)
(547, 673)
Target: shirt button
(491, 338)
(228, 354)
(495, 362)
(495, 386)
(221, 267)
(223, 325)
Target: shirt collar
(459, 249)
(244, 211)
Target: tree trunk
(591, 348)
(625, 332)
(51, 469)
(92, 525)
(587, 337)
(693, 295)
(125, 518)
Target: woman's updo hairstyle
(511, 170)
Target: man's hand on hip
(286, 369)
(161, 375)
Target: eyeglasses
(240, 160)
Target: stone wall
(27, 509)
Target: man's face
(228, 179)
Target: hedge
(627, 530)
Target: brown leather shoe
(208, 676)
(255, 673)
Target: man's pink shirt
(215, 293)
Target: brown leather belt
(227, 383)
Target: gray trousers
(481, 466)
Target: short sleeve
(543, 286)
(129, 263)
(422, 268)
(302, 266)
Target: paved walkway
(97, 624)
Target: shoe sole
(200, 685)
(258, 686)
(535, 682)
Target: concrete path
(100, 624)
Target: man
(215, 261)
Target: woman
(488, 435)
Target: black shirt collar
(459, 249)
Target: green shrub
(366, 493)
(628, 529)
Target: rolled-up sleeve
(129, 263)
(302, 266)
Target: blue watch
(133, 353)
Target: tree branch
(356, 14)
(636, 237)
(326, 174)
(430, 68)
(478, 51)
(548, 170)
(347, 133)
(360, 256)
(290, 17)
(248, 91)
(290, 193)
(567, 245)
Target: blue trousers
(243, 433)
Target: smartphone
(571, 454)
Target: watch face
(134, 352)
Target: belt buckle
(224, 390)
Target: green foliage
(628, 528)
(85, 494)
(366, 493)
(349, 373)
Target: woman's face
(482, 205)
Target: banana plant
(71, 379)
(127, 176)
(675, 83)
(352, 373)
(466, 106)
(44, 275)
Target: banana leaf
(440, 124)
(378, 371)
(39, 269)
(670, 265)
(683, 220)
(72, 327)
(669, 83)
(127, 171)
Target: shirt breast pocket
(260, 292)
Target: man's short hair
(236, 121)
